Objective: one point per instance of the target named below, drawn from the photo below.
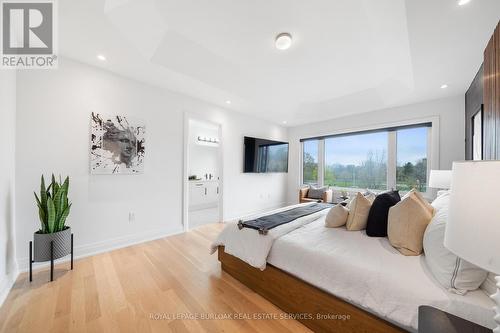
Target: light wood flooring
(141, 289)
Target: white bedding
(250, 246)
(369, 273)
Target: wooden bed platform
(295, 296)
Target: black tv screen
(263, 155)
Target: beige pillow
(359, 208)
(336, 217)
(407, 222)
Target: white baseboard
(86, 250)
(6, 284)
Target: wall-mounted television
(261, 155)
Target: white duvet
(253, 248)
(369, 273)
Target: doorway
(202, 173)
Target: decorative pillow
(489, 285)
(452, 272)
(407, 222)
(336, 217)
(379, 213)
(316, 193)
(359, 208)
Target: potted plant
(53, 210)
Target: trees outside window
(356, 161)
(310, 162)
(377, 160)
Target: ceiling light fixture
(283, 41)
(284, 122)
(463, 2)
(228, 102)
(101, 57)
(444, 86)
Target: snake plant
(53, 205)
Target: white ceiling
(348, 56)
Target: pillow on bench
(316, 193)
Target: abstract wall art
(117, 145)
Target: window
(310, 162)
(411, 170)
(356, 161)
(376, 160)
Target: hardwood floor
(141, 289)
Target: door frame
(185, 172)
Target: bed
(324, 271)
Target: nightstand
(432, 320)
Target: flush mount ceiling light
(101, 57)
(228, 102)
(283, 41)
(284, 122)
(463, 2)
(444, 86)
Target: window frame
(301, 168)
(391, 128)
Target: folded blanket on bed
(265, 223)
(247, 245)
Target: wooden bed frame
(295, 296)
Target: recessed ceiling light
(284, 122)
(444, 86)
(101, 57)
(463, 2)
(228, 102)
(283, 41)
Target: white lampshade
(473, 228)
(440, 179)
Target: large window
(377, 160)
(356, 161)
(411, 170)
(310, 162)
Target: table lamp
(440, 179)
(473, 228)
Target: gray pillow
(316, 193)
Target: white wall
(203, 157)
(450, 111)
(53, 117)
(8, 266)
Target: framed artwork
(117, 145)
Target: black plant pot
(62, 245)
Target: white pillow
(336, 217)
(452, 272)
(489, 285)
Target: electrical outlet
(131, 217)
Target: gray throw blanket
(265, 223)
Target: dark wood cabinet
(491, 98)
(473, 105)
(483, 96)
